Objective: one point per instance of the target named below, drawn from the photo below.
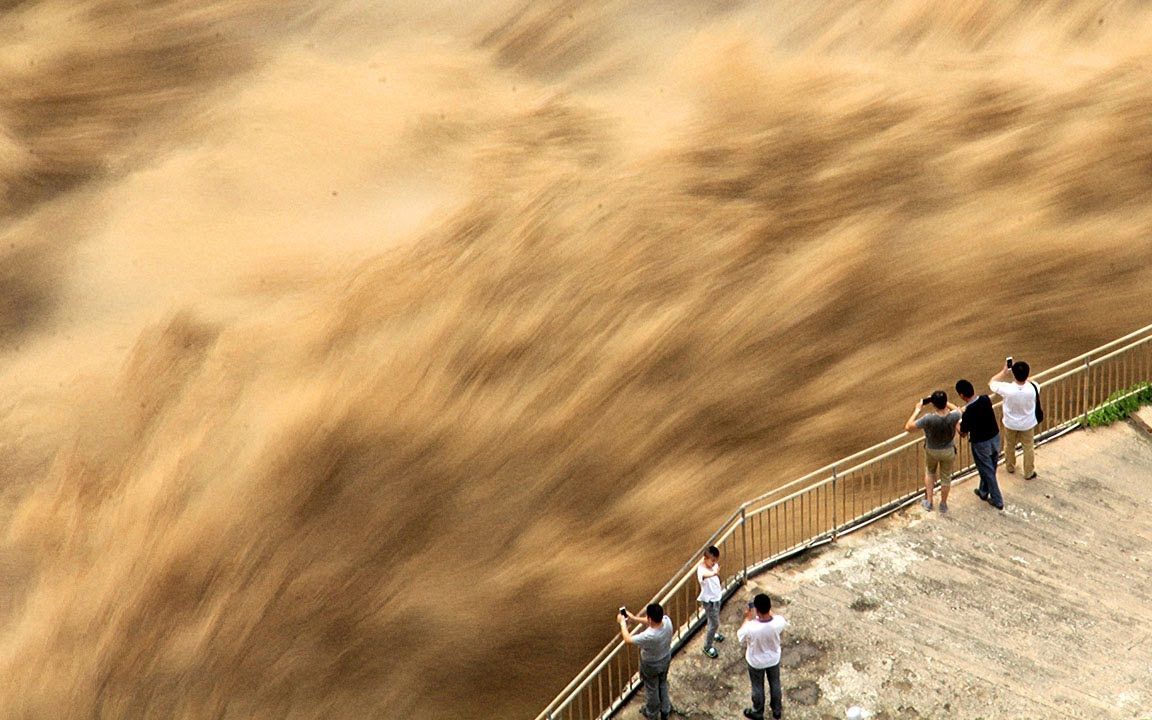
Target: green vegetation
(1120, 405)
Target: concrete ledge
(1043, 610)
(1143, 418)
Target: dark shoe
(752, 714)
(711, 652)
(1030, 476)
(717, 638)
(982, 495)
(998, 507)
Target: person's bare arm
(910, 426)
(1002, 376)
(711, 573)
(624, 629)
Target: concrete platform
(1043, 610)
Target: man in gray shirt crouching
(655, 643)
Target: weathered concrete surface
(1041, 611)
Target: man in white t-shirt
(655, 643)
(711, 594)
(1020, 398)
(761, 634)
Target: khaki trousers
(1025, 438)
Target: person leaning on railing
(939, 428)
(655, 643)
(1020, 400)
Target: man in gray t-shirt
(939, 430)
(939, 426)
(655, 643)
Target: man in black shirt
(979, 424)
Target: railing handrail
(1088, 355)
(812, 481)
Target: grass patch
(1120, 405)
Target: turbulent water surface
(359, 358)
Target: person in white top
(761, 634)
(1020, 400)
(711, 594)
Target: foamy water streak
(359, 359)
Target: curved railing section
(833, 500)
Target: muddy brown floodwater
(358, 359)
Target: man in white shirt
(1020, 398)
(655, 643)
(761, 634)
(711, 594)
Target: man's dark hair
(1020, 370)
(712, 551)
(939, 399)
(964, 388)
(655, 613)
(763, 603)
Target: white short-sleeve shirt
(1019, 404)
(710, 590)
(763, 641)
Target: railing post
(744, 544)
(1084, 394)
(835, 515)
